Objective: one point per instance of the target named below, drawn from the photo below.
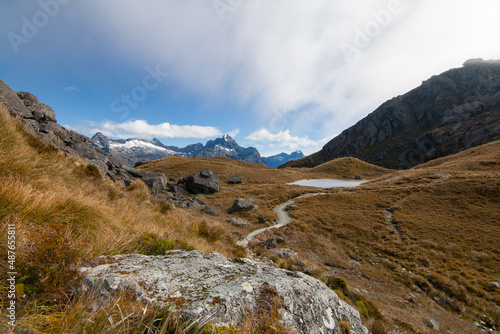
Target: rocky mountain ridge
(133, 150)
(448, 113)
(277, 160)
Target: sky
(278, 75)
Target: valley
(407, 241)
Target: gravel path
(283, 219)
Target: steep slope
(65, 214)
(448, 113)
(279, 159)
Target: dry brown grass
(66, 215)
(434, 259)
(441, 245)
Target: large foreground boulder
(201, 182)
(226, 291)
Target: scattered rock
(262, 220)
(211, 285)
(234, 180)
(157, 182)
(179, 190)
(268, 244)
(210, 210)
(433, 324)
(238, 222)
(238, 234)
(198, 200)
(201, 182)
(284, 253)
(241, 205)
(495, 284)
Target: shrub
(153, 244)
(336, 283)
(210, 232)
(92, 171)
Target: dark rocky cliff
(448, 113)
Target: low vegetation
(408, 247)
(414, 245)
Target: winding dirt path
(284, 219)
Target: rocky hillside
(448, 113)
(279, 159)
(39, 121)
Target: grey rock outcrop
(157, 182)
(234, 180)
(213, 286)
(451, 112)
(238, 222)
(210, 210)
(268, 244)
(241, 205)
(284, 253)
(201, 182)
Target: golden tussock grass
(66, 215)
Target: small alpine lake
(328, 183)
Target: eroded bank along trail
(284, 219)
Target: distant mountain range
(448, 113)
(279, 159)
(131, 151)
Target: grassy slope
(434, 259)
(268, 186)
(66, 215)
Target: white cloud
(287, 55)
(71, 89)
(233, 133)
(141, 129)
(284, 139)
